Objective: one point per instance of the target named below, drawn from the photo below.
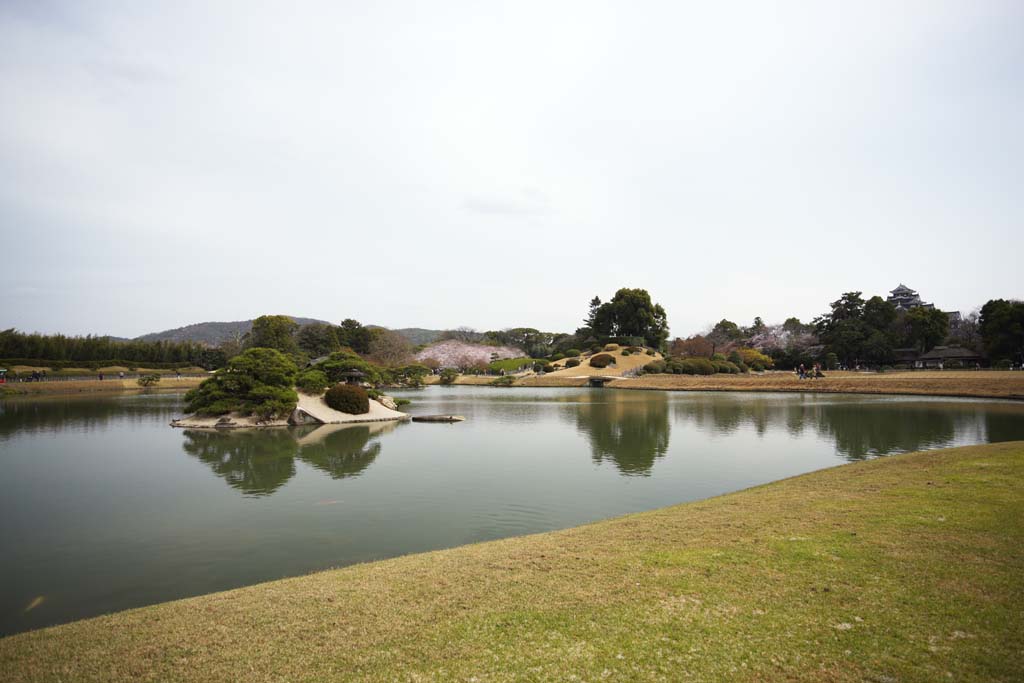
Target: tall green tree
(631, 313)
(1001, 326)
(879, 314)
(354, 335)
(725, 331)
(928, 328)
(317, 339)
(273, 332)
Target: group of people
(803, 373)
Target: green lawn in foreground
(908, 568)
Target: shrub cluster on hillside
(602, 360)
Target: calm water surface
(104, 507)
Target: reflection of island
(256, 462)
(259, 462)
(630, 433)
(343, 450)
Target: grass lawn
(908, 568)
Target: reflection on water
(857, 429)
(103, 506)
(83, 413)
(631, 434)
(259, 462)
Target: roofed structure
(904, 298)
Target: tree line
(869, 332)
(59, 349)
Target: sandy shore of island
(312, 406)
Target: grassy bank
(89, 386)
(986, 384)
(908, 568)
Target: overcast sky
(498, 164)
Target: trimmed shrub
(449, 375)
(257, 382)
(692, 366)
(650, 352)
(549, 368)
(572, 363)
(572, 352)
(596, 348)
(610, 347)
(506, 381)
(656, 367)
(312, 382)
(601, 360)
(556, 356)
(755, 359)
(718, 356)
(148, 380)
(348, 398)
(627, 352)
(402, 402)
(725, 367)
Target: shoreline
(1007, 385)
(92, 386)
(815, 569)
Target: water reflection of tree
(1004, 425)
(342, 453)
(85, 414)
(259, 462)
(726, 414)
(630, 433)
(861, 430)
(256, 462)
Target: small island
(263, 387)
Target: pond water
(104, 507)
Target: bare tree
(389, 348)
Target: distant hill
(212, 333)
(419, 335)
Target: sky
(498, 164)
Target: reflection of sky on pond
(103, 506)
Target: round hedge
(601, 360)
(348, 398)
(572, 362)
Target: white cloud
(736, 161)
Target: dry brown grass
(88, 386)
(623, 364)
(966, 383)
(984, 384)
(906, 568)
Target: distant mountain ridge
(214, 333)
(419, 335)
